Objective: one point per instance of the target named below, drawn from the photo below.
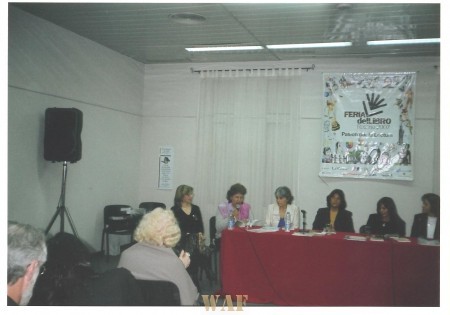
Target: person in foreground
(335, 214)
(386, 220)
(235, 206)
(190, 221)
(69, 280)
(427, 223)
(27, 252)
(152, 257)
(276, 213)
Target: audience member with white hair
(153, 258)
(27, 252)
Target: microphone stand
(304, 221)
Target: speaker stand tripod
(61, 209)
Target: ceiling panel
(145, 31)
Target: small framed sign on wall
(166, 163)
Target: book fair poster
(368, 125)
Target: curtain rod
(253, 69)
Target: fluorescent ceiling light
(310, 45)
(404, 41)
(223, 48)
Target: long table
(283, 269)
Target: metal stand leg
(61, 210)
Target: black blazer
(391, 227)
(189, 224)
(419, 227)
(343, 222)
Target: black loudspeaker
(62, 139)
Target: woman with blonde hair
(152, 257)
(190, 220)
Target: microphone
(237, 220)
(304, 220)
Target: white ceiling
(145, 32)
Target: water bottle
(287, 223)
(231, 222)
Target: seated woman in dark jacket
(427, 223)
(386, 220)
(335, 214)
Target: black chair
(116, 222)
(150, 205)
(214, 243)
(159, 293)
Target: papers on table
(265, 229)
(250, 223)
(309, 234)
(424, 241)
(355, 238)
(312, 233)
(401, 239)
(377, 238)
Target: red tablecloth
(282, 269)
(416, 274)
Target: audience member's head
(27, 252)
(431, 204)
(66, 253)
(69, 280)
(159, 227)
(66, 269)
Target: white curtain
(248, 130)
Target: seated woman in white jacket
(276, 213)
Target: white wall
(52, 67)
(170, 118)
(129, 112)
